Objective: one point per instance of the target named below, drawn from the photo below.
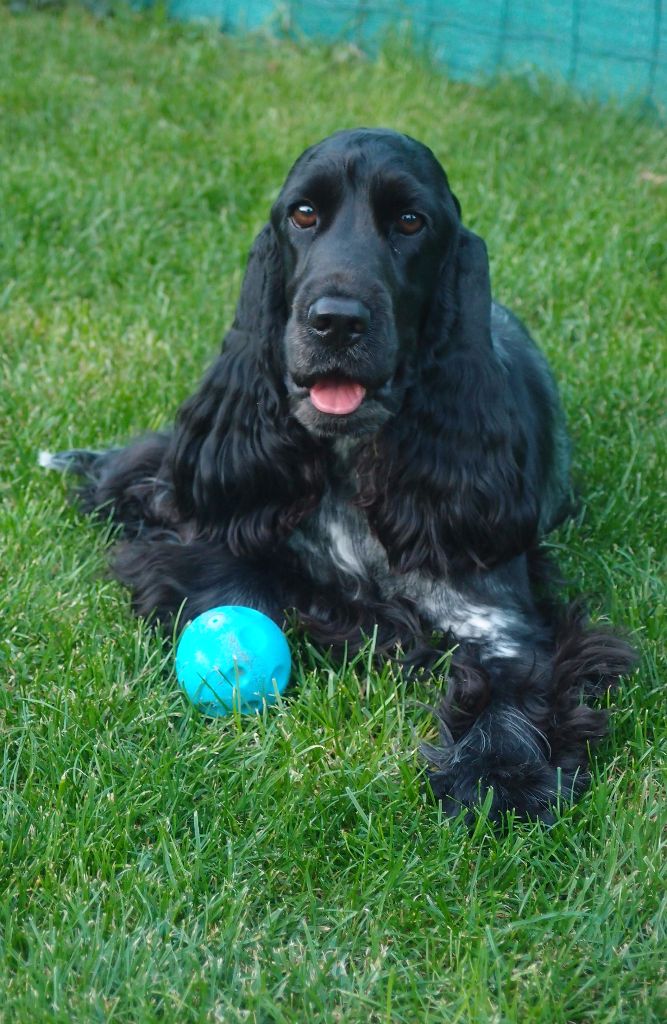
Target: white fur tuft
(46, 460)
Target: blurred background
(607, 47)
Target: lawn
(155, 866)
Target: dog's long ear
(453, 490)
(241, 467)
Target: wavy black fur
(416, 515)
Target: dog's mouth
(337, 396)
(333, 403)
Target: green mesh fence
(609, 47)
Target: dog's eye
(304, 215)
(409, 222)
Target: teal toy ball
(232, 658)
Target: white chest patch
(337, 546)
(343, 551)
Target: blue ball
(232, 658)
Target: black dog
(378, 449)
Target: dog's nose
(339, 321)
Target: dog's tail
(126, 483)
(81, 462)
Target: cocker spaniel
(378, 450)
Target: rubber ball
(232, 658)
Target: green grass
(158, 867)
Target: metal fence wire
(611, 48)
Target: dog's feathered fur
(419, 511)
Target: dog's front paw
(503, 755)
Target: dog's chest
(336, 548)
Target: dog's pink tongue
(337, 397)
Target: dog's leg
(173, 573)
(174, 581)
(519, 726)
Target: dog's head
(365, 222)
(364, 311)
